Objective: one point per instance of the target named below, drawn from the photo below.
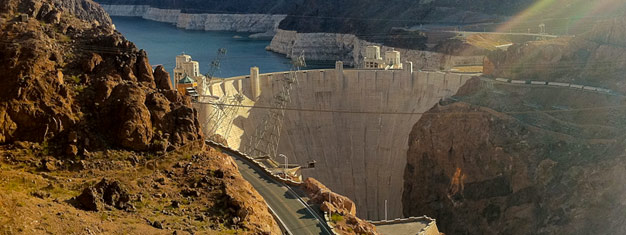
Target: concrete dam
(360, 153)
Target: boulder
(49, 164)
(106, 192)
(162, 78)
(143, 70)
(128, 119)
(319, 193)
(91, 62)
(334, 203)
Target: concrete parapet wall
(249, 159)
(330, 225)
(360, 150)
(429, 229)
(560, 84)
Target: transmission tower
(213, 68)
(219, 109)
(226, 106)
(235, 105)
(265, 140)
(223, 110)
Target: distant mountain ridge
(350, 16)
(214, 6)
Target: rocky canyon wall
(360, 153)
(253, 23)
(488, 164)
(351, 50)
(596, 58)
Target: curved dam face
(360, 153)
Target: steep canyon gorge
(500, 158)
(478, 155)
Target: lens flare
(563, 16)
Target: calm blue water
(164, 42)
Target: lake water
(164, 42)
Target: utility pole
(285, 169)
(385, 209)
(331, 203)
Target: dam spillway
(360, 153)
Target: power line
(419, 113)
(101, 49)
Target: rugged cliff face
(596, 58)
(372, 18)
(93, 141)
(76, 82)
(519, 159)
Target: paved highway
(297, 218)
(478, 32)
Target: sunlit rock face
(478, 169)
(61, 86)
(595, 58)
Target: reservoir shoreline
(315, 46)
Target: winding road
(293, 214)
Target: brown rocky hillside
(595, 58)
(500, 158)
(68, 77)
(92, 141)
(187, 191)
(511, 159)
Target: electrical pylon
(224, 109)
(213, 68)
(264, 142)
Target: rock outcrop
(493, 162)
(506, 159)
(105, 193)
(70, 72)
(596, 58)
(333, 203)
(162, 78)
(80, 104)
(319, 194)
